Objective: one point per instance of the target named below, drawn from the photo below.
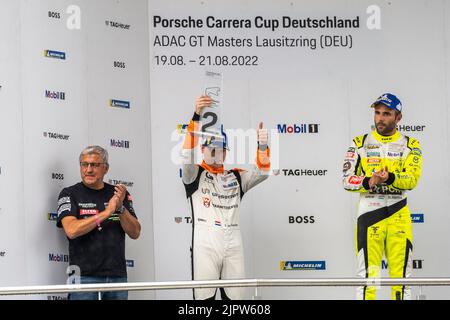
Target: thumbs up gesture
(262, 136)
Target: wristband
(97, 221)
(196, 117)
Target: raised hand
(202, 102)
(113, 205)
(262, 136)
(120, 191)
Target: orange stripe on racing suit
(191, 139)
(263, 159)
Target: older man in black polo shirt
(96, 216)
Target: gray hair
(96, 150)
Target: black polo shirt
(98, 253)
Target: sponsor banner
(119, 64)
(304, 172)
(56, 136)
(55, 257)
(56, 95)
(302, 219)
(298, 128)
(417, 264)
(118, 25)
(410, 128)
(89, 212)
(127, 184)
(120, 144)
(57, 176)
(54, 14)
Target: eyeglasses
(95, 165)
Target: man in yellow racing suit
(382, 166)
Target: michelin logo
(417, 218)
(302, 265)
(119, 104)
(55, 54)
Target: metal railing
(256, 283)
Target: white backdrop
(52, 108)
(12, 261)
(113, 56)
(332, 87)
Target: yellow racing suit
(384, 221)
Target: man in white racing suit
(214, 196)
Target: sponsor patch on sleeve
(355, 180)
(64, 208)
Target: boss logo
(302, 219)
(57, 176)
(53, 14)
(119, 64)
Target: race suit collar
(211, 169)
(386, 139)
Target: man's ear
(399, 116)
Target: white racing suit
(214, 198)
